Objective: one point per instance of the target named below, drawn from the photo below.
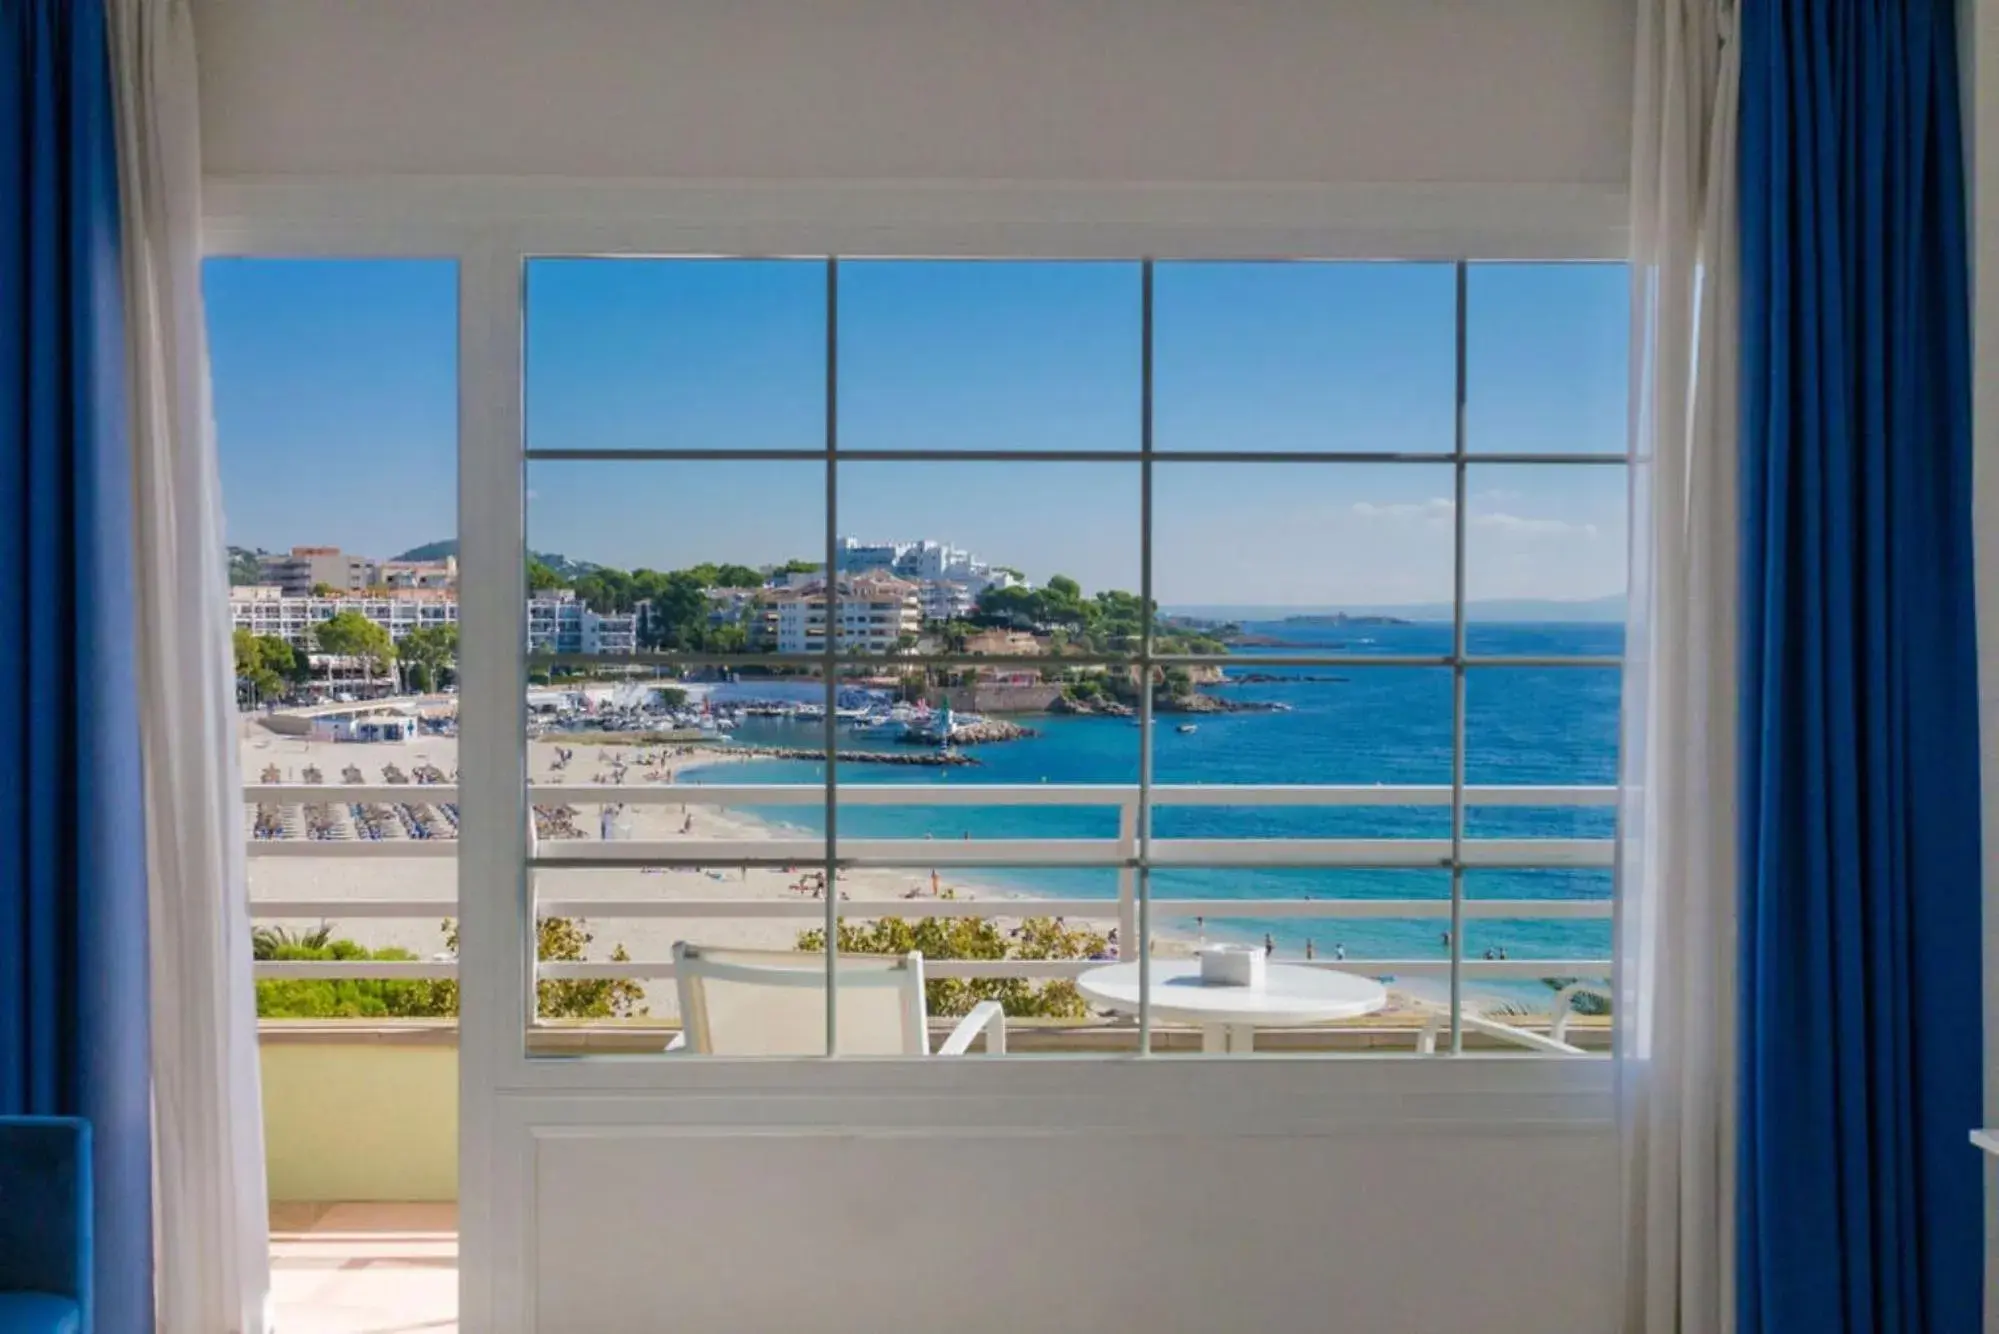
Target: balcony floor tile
(365, 1268)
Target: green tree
(726, 638)
(978, 938)
(799, 566)
(323, 590)
(285, 658)
(254, 666)
(431, 651)
(541, 578)
(1008, 608)
(349, 634)
(676, 612)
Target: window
(336, 418)
(1141, 606)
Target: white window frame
(490, 228)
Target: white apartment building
(872, 615)
(921, 560)
(946, 600)
(557, 623)
(266, 609)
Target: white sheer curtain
(1676, 931)
(212, 1226)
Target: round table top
(1290, 994)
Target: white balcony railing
(1120, 852)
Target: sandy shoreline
(332, 879)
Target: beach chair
(1438, 1021)
(773, 1003)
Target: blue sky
(335, 406)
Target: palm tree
(267, 942)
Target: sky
(336, 415)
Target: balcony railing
(1120, 852)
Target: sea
(1359, 724)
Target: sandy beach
(435, 877)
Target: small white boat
(1185, 728)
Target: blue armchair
(45, 1211)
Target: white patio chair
(773, 1003)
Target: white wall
(1311, 91)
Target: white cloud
(1438, 507)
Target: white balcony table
(1291, 996)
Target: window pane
(1541, 726)
(1044, 555)
(336, 406)
(676, 354)
(1517, 965)
(1304, 356)
(1545, 555)
(989, 355)
(1547, 358)
(670, 554)
(1356, 548)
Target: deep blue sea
(1386, 725)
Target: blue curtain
(1860, 1198)
(73, 973)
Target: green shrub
(978, 938)
(562, 939)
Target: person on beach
(1339, 951)
(1269, 945)
(1308, 947)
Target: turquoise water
(1386, 725)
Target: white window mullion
(494, 965)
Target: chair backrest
(773, 1002)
